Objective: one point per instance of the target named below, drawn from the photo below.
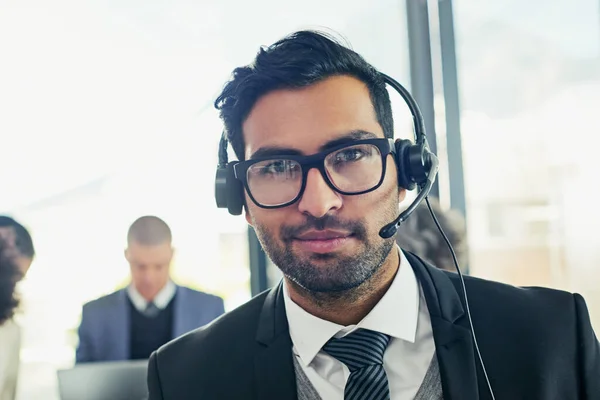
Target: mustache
(356, 228)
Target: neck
(149, 296)
(351, 306)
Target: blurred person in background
(420, 235)
(16, 256)
(25, 252)
(133, 322)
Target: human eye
(351, 154)
(276, 167)
(273, 167)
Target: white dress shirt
(401, 313)
(161, 300)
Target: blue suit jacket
(104, 332)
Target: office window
(529, 76)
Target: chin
(149, 295)
(327, 285)
(323, 257)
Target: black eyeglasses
(353, 168)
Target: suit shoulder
(201, 296)
(503, 291)
(205, 360)
(105, 301)
(525, 305)
(237, 326)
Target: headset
(416, 165)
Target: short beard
(344, 277)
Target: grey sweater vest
(431, 387)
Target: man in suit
(355, 317)
(131, 323)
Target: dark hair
(9, 276)
(149, 230)
(419, 235)
(298, 60)
(23, 240)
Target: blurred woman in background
(16, 256)
(420, 235)
(10, 336)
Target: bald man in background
(133, 322)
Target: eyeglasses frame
(386, 146)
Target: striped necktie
(362, 352)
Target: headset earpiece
(413, 163)
(404, 180)
(221, 186)
(235, 191)
(229, 191)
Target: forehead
(305, 119)
(154, 253)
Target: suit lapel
(179, 318)
(456, 359)
(121, 327)
(273, 364)
(451, 333)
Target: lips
(323, 235)
(323, 241)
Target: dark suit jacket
(536, 343)
(104, 332)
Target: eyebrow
(270, 151)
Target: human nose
(318, 198)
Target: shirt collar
(395, 314)
(161, 300)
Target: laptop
(118, 380)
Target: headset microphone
(390, 229)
